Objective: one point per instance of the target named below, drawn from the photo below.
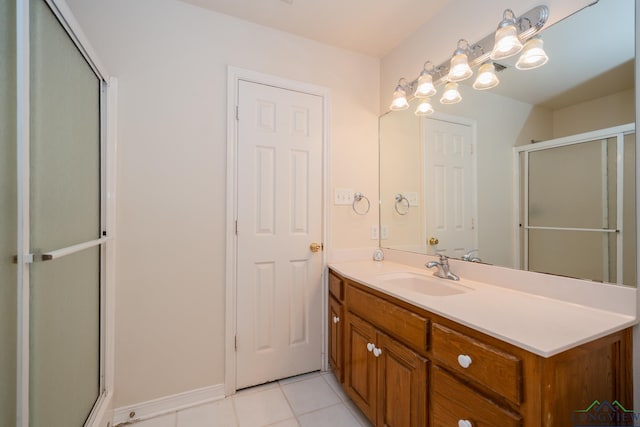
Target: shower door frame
(617, 132)
(100, 413)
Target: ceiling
(357, 25)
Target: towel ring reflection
(357, 197)
(399, 199)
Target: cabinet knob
(377, 352)
(465, 362)
(336, 319)
(464, 423)
(370, 346)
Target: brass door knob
(315, 247)
(433, 241)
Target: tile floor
(311, 400)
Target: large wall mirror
(537, 173)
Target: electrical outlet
(374, 232)
(343, 196)
(384, 232)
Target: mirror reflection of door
(449, 190)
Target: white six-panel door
(279, 215)
(448, 187)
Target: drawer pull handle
(464, 423)
(465, 362)
(336, 319)
(377, 352)
(370, 346)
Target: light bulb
(459, 68)
(507, 42)
(425, 87)
(424, 108)
(399, 100)
(486, 77)
(533, 55)
(451, 94)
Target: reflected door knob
(433, 241)
(315, 247)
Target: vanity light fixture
(507, 42)
(425, 87)
(451, 94)
(399, 101)
(487, 78)
(424, 108)
(459, 69)
(533, 55)
(512, 32)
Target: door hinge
(235, 339)
(237, 112)
(236, 227)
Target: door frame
(101, 412)
(234, 76)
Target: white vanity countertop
(542, 325)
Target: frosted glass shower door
(8, 214)
(578, 205)
(65, 227)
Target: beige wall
(401, 172)
(612, 110)
(171, 62)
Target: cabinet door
(360, 365)
(336, 338)
(402, 385)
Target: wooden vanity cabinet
(405, 366)
(385, 379)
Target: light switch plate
(343, 196)
(412, 197)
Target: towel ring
(358, 197)
(399, 199)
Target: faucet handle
(443, 257)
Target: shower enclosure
(576, 210)
(54, 219)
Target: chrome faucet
(469, 257)
(443, 268)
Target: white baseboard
(167, 404)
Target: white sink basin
(423, 284)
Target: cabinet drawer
(401, 324)
(336, 286)
(452, 402)
(491, 367)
